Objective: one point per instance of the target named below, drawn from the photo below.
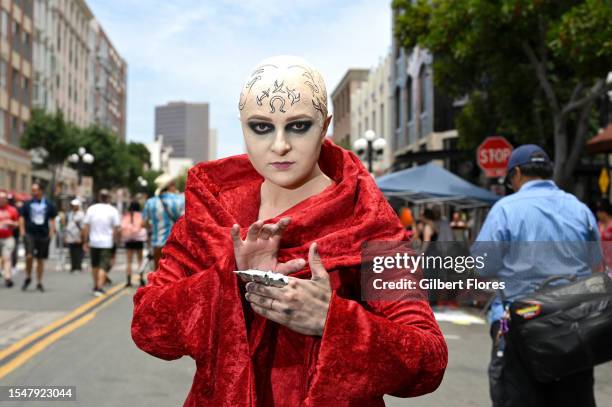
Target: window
(24, 182)
(16, 36)
(374, 121)
(2, 128)
(14, 131)
(3, 73)
(4, 21)
(15, 84)
(409, 99)
(382, 120)
(423, 90)
(398, 105)
(12, 175)
(26, 91)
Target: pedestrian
(295, 203)
(134, 236)
(18, 204)
(604, 216)
(37, 225)
(101, 231)
(161, 212)
(73, 234)
(537, 212)
(9, 221)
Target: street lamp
(81, 159)
(142, 182)
(369, 145)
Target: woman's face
(283, 129)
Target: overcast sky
(201, 51)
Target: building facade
(341, 101)
(71, 19)
(76, 68)
(422, 118)
(371, 110)
(108, 82)
(16, 26)
(185, 128)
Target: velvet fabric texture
(194, 305)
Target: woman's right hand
(259, 250)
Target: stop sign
(493, 155)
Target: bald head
(281, 84)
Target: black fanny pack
(560, 330)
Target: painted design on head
(317, 105)
(255, 76)
(294, 96)
(264, 94)
(278, 87)
(282, 106)
(310, 79)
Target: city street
(92, 349)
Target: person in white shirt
(101, 231)
(73, 234)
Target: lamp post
(369, 145)
(142, 182)
(81, 159)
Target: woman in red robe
(299, 205)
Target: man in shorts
(37, 226)
(101, 231)
(9, 220)
(161, 213)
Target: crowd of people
(97, 230)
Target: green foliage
(150, 176)
(181, 181)
(51, 133)
(117, 164)
(523, 63)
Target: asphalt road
(94, 351)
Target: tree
(52, 137)
(533, 69)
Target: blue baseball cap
(527, 153)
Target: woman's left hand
(301, 305)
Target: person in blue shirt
(161, 213)
(538, 232)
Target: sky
(202, 51)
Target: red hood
(342, 217)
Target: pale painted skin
(283, 113)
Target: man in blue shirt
(539, 231)
(37, 226)
(161, 213)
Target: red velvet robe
(193, 303)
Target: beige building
(15, 92)
(371, 110)
(76, 67)
(108, 82)
(341, 101)
(72, 18)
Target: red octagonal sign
(493, 155)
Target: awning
(601, 143)
(431, 183)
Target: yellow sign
(604, 181)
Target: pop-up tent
(431, 183)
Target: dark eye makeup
(300, 126)
(261, 127)
(297, 127)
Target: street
(92, 349)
